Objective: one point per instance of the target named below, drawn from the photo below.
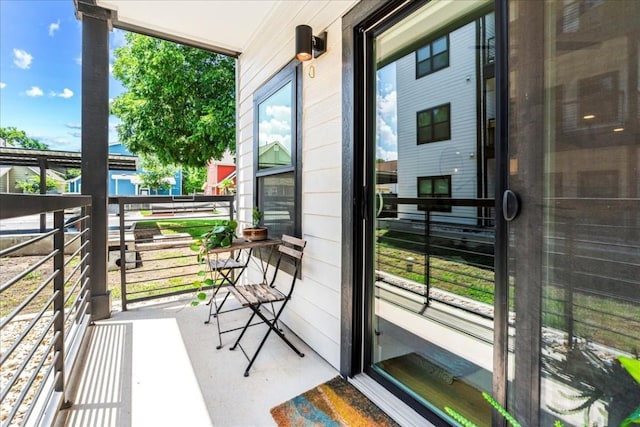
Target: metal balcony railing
(45, 292)
(153, 236)
(591, 262)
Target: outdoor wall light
(307, 45)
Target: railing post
(58, 302)
(570, 227)
(123, 256)
(427, 250)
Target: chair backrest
(291, 249)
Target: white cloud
(34, 91)
(66, 93)
(78, 59)
(73, 125)
(386, 126)
(3, 85)
(53, 27)
(276, 126)
(110, 68)
(22, 59)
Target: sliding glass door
(501, 229)
(574, 156)
(432, 229)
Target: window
(432, 57)
(434, 124)
(571, 12)
(277, 171)
(599, 100)
(438, 187)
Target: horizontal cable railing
(45, 311)
(593, 285)
(441, 249)
(153, 236)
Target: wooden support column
(95, 144)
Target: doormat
(334, 403)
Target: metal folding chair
(254, 296)
(225, 273)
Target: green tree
(193, 179)
(71, 173)
(179, 102)
(227, 186)
(18, 138)
(32, 184)
(155, 175)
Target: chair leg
(272, 327)
(219, 346)
(244, 329)
(211, 304)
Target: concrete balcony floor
(157, 365)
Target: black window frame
(432, 137)
(431, 57)
(433, 178)
(290, 73)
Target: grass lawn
(195, 227)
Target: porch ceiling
(223, 26)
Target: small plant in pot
(257, 232)
(220, 236)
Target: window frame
(433, 124)
(290, 73)
(433, 178)
(432, 56)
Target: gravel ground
(10, 334)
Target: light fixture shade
(304, 43)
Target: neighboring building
(513, 265)
(10, 176)
(217, 172)
(127, 183)
(443, 94)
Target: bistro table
(226, 266)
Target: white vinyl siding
(454, 85)
(314, 311)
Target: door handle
(510, 205)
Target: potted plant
(220, 236)
(257, 232)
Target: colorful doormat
(334, 403)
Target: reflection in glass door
(575, 117)
(432, 296)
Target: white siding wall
(314, 311)
(456, 85)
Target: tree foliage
(155, 175)
(31, 185)
(71, 173)
(179, 102)
(18, 138)
(193, 179)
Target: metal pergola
(59, 159)
(45, 159)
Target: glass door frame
(359, 28)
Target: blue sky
(40, 76)
(40, 71)
(386, 114)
